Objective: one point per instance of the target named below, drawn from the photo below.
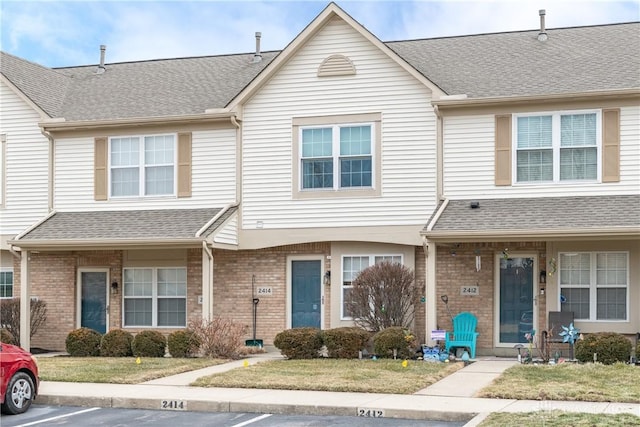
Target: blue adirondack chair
(464, 333)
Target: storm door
(306, 279)
(93, 299)
(515, 299)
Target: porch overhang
(535, 219)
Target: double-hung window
(6, 282)
(142, 165)
(557, 147)
(594, 285)
(155, 297)
(337, 157)
(351, 268)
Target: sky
(69, 33)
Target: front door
(516, 299)
(93, 295)
(306, 279)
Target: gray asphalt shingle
(125, 225)
(541, 214)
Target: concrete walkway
(450, 399)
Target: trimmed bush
(183, 343)
(149, 344)
(116, 343)
(394, 338)
(346, 342)
(83, 342)
(609, 347)
(219, 337)
(299, 343)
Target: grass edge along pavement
(339, 375)
(117, 370)
(558, 419)
(589, 382)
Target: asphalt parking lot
(41, 415)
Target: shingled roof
(536, 216)
(141, 225)
(572, 60)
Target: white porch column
(207, 282)
(430, 289)
(25, 301)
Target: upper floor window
(6, 282)
(351, 268)
(561, 146)
(142, 165)
(337, 157)
(594, 285)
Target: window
(553, 147)
(6, 283)
(594, 285)
(155, 297)
(142, 165)
(336, 157)
(352, 266)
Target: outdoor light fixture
(327, 277)
(114, 287)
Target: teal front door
(93, 308)
(306, 279)
(516, 299)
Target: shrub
(299, 343)
(219, 337)
(384, 295)
(608, 346)
(10, 315)
(149, 344)
(394, 338)
(183, 343)
(116, 343)
(345, 343)
(83, 342)
(6, 336)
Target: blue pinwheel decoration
(569, 334)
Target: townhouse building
(504, 169)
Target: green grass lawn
(581, 382)
(559, 419)
(118, 370)
(371, 376)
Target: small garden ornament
(570, 335)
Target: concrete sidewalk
(450, 399)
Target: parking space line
(252, 420)
(58, 417)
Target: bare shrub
(384, 295)
(219, 337)
(10, 316)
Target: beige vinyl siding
(379, 86)
(229, 233)
(469, 161)
(213, 175)
(26, 194)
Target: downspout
(238, 126)
(431, 318)
(14, 253)
(51, 166)
(207, 291)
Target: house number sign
(470, 290)
(265, 291)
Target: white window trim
(142, 168)
(154, 298)
(372, 260)
(593, 286)
(555, 146)
(13, 283)
(335, 156)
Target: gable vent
(336, 65)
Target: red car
(18, 379)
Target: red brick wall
(452, 272)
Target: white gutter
(14, 253)
(207, 291)
(437, 215)
(115, 243)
